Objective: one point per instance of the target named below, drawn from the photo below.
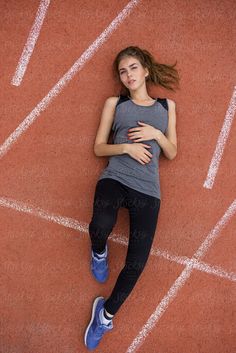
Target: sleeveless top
(125, 169)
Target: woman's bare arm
(168, 142)
(101, 147)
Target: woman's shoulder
(113, 100)
(170, 102)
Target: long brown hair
(159, 74)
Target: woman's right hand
(139, 152)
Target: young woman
(142, 126)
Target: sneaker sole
(90, 323)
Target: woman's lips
(131, 81)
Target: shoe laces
(100, 263)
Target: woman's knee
(102, 224)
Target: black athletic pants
(143, 209)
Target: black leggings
(109, 196)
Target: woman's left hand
(144, 133)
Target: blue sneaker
(99, 267)
(95, 329)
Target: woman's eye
(122, 72)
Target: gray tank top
(125, 169)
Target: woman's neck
(141, 99)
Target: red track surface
(46, 286)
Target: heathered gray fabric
(125, 169)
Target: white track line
(78, 65)
(39, 212)
(198, 265)
(118, 238)
(30, 44)
(180, 281)
(221, 142)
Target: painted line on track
(30, 43)
(181, 280)
(118, 238)
(220, 145)
(58, 87)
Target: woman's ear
(147, 73)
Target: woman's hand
(139, 152)
(144, 133)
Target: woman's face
(132, 73)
